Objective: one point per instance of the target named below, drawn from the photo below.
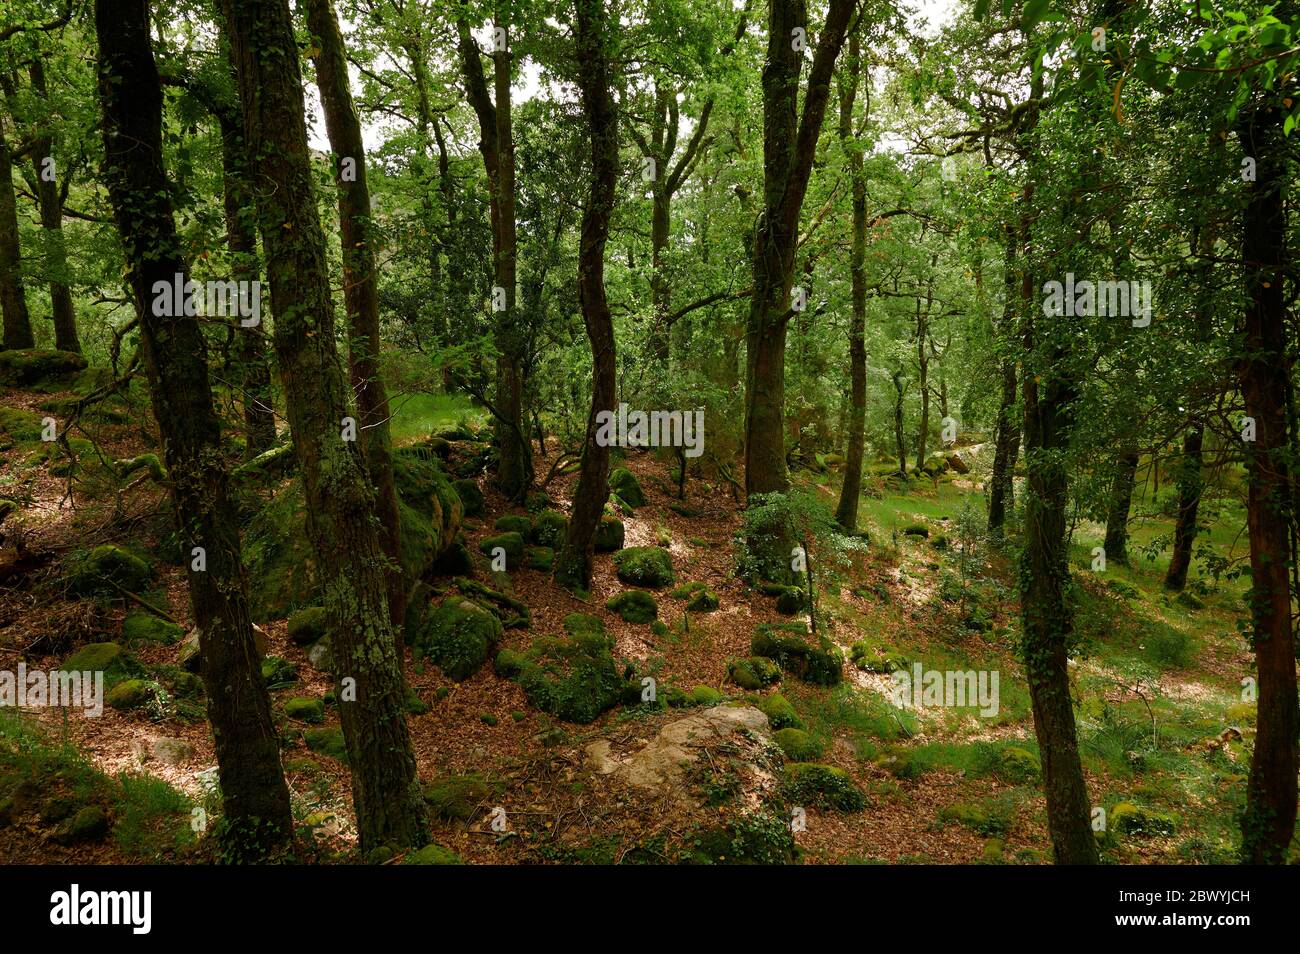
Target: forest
(648, 432)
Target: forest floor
(1164, 736)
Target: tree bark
(13, 299)
(1002, 484)
(49, 199)
(573, 565)
(360, 288)
(1189, 501)
(1263, 373)
(1120, 503)
(339, 492)
(846, 514)
(254, 795)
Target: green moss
(308, 625)
(824, 786)
(704, 696)
(624, 483)
(981, 819)
(433, 855)
(278, 672)
(541, 559)
(644, 566)
(753, 672)
(634, 606)
(94, 572)
(609, 535)
(144, 627)
(107, 658)
(512, 543)
(1243, 712)
(791, 647)
(327, 742)
(1129, 819)
(470, 495)
(550, 529)
(27, 367)
(88, 824)
(19, 427)
(705, 601)
(797, 745)
(459, 797)
(789, 599)
(512, 523)
(572, 678)
(458, 637)
(1018, 765)
(305, 709)
(780, 714)
(763, 838)
(129, 694)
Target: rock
(144, 627)
(797, 745)
(25, 367)
(634, 606)
(107, 658)
(321, 656)
(459, 797)
(1128, 819)
(624, 483)
(609, 535)
(865, 657)
(514, 523)
(129, 694)
(471, 496)
(550, 529)
(705, 601)
(102, 570)
(89, 824)
(1017, 765)
(644, 566)
(327, 742)
(822, 786)
(278, 672)
(170, 751)
(663, 761)
(753, 673)
(512, 543)
(790, 646)
(307, 625)
(780, 714)
(458, 637)
(573, 678)
(956, 462)
(433, 855)
(541, 559)
(305, 709)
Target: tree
(594, 55)
(255, 798)
(340, 499)
(13, 298)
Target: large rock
(25, 367)
(458, 637)
(644, 566)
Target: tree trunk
(846, 514)
(573, 565)
(922, 383)
(338, 490)
(49, 197)
(1263, 371)
(1001, 484)
(255, 798)
(13, 299)
(1189, 501)
(1121, 501)
(496, 143)
(360, 288)
(899, 392)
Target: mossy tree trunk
(360, 286)
(1263, 373)
(1120, 503)
(1190, 482)
(254, 795)
(13, 298)
(573, 564)
(1007, 440)
(341, 522)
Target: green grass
(416, 416)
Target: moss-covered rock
(107, 658)
(789, 599)
(94, 572)
(19, 427)
(514, 523)
(797, 745)
(1129, 819)
(143, 627)
(327, 742)
(129, 694)
(624, 483)
(791, 647)
(278, 672)
(471, 496)
(634, 606)
(458, 637)
(865, 656)
(459, 797)
(550, 529)
(823, 786)
(704, 696)
(305, 709)
(644, 566)
(541, 559)
(1018, 766)
(282, 563)
(705, 601)
(753, 672)
(308, 625)
(762, 838)
(88, 824)
(30, 366)
(433, 855)
(573, 678)
(512, 543)
(780, 714)
(609, 535)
